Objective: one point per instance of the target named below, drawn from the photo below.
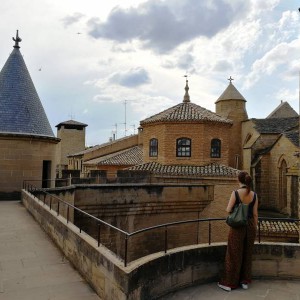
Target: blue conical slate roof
(21, 110)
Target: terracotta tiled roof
(272, 227)
(209, 170)
(186, 112)
(128, 157)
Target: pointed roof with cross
(186, 111)
(231, 93)
(21, 111)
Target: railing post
(166, 239)
(58, 207)
(99, 234)
(126, 248)
(259, 231)
(80, 221)
(68, 214)
(209, 232)
(50, 202)
(198, 223)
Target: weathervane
(186, 76)
(230, 79)
(17, 40)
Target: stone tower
(187, 135)
(232, 105)
(27, 142)
(72, 135)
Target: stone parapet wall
(132, 207)
(158, 274)
(99, 267)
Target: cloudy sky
(107, 63)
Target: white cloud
(250, 40)
(285, 94)
(71, 19)
(265, 5)
(282, 54)
(130, 78)
(164, 25)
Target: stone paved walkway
(258, 290)
(31, 267)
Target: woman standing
(238, 261)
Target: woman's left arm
(255, 211)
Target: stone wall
(158, 274)
(132, 207)
(283, 149)
(21, 158)
(72, 141)
(262, 183)
(234, 110)
(200, 136)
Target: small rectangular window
(215, 150)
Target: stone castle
(184, 143)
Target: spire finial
(186, 97)
(17, 40)
(230, 79)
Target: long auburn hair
(245, 178)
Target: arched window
(153, 148)
(215, 148)
(282, 185)
(183, 147)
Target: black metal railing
(56, 203)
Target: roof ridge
(210, 169)
(186, 111)
(272, 115)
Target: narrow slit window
(153, 148)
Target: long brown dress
(238, 260)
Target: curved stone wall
(158, 274)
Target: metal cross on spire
(230, 79)
(17, 40)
